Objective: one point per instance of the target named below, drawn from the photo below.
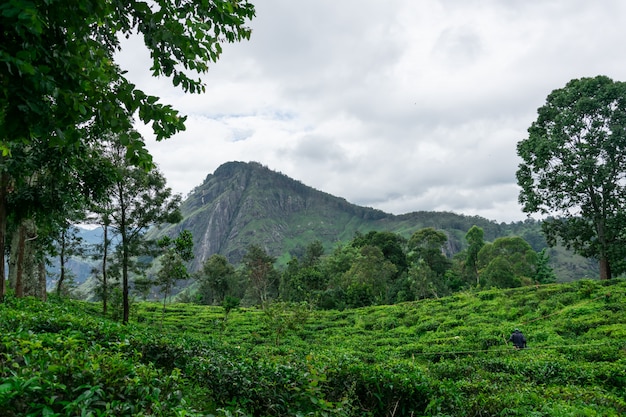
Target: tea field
(443, 357)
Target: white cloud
(398, 105)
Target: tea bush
(447, 357)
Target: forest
(372, 269)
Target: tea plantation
(444, 357)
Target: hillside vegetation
(241, 204)
(245, 204)
(444, 357)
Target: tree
(423, 281)
(507, 262)
(499, 273)
(59, 80)
(303, 279)
(391, 245)
(102, 216)
(139, 199)
(68, 244)
(49, 188)
(261, 274)
(574, 170)
(59, 73)
(427, 244)
(368, 279)
(313, 253)
(475, 241)
(544, 273)
(173, 269)
(215, 276)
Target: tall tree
(507, 262)
(367, 281)
(139, 199)
(68, 244)
(574, 169)
(101, 215)
(475, 242)
(49, 188)
(428, 245)
(215, 275)
(177, 252)
(392, 246)
(59, 79)
(262, 276)
(303, 279)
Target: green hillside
(246, 203)
(445, 357)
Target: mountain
(247, 203)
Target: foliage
(173, 268)
(430, 358)
(42, 190)
(215, 279)
(61, 90)
(280, 317)
(68, 244)
(137, 200)
(574, 161)
(427, 245)
(392, 246)
(262, 277)
(67, 77)
(369, 277)
(475, 242)
(507, 263)
(544, 273)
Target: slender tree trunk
(42, 280)
(19, 267)
(105, 250)
(125, 260)
(605, 268)
(126, 304)
(4, 181)
(62, 262)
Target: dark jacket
(518, 339)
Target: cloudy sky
(400, 105)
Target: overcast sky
(400, 105)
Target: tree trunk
(19, 266)
(4, 181)
(62, 263)
(42, 280)
(125, 261)
(24, 262)
(105, 250)
(605, 268)
(126, 303)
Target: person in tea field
(518, 339)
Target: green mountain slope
(246, 203)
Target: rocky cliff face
(245, 203)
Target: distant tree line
(378, 267)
